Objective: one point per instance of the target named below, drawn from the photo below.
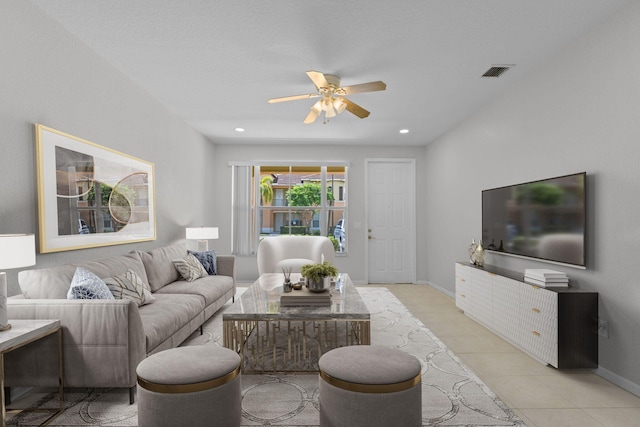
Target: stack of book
(304, 297)
(545, 278)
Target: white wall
(354, 263)
(49, 77)
(579, 112)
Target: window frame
(256, 207)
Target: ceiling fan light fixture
(327, 105)
(330, 113)
(332, 100)
(317, 107)
(339, 105)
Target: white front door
(391, 220)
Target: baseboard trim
(441, 289)
(630, 386)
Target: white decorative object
(202, 235)
(16, 250)
(479, 252)
(4, 322)
(472, 251)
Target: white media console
(557, 326)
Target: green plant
(307, 194)
(293, 229)
(318, 272)
(266, 189)
(336, 244)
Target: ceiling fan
(332, 96)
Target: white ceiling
(216, 62)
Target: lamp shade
(17, 250)
(202, 233)
(339, 105)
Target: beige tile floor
(541, 396)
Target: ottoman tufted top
(364, 364)
(188, 365)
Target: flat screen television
(542, 219)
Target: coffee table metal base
(291, 345)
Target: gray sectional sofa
(104, 340)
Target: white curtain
(242, 243)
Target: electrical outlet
(603, 328)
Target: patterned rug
(452, 395)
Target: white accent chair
(293, 252)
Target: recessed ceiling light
(239, 129)
(404, 130)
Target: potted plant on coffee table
(318, 275)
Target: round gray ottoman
(369, 386)
(194, 386)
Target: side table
(24, 332)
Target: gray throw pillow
(208, 261)
(86, 285)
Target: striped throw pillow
(190, 268)
(130, 286)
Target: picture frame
(90, 195)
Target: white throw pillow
(86, 285)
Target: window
(300, 198)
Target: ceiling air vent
(496, 71)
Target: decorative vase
(320, 285)
(479, 252)
(472, 251)
(287, 285)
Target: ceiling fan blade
(293, 98)
(354, 108)
(311, 117)
(318, 79)
(314, 113)
(365, 87)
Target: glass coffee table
(272, 338)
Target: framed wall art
(89, 195)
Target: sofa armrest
(103, 342)
(226, 266)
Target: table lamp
(16, 250)
(202, 235)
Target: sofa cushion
(130, 286)
(53, 282)
(207, 259)
(190, 268)
(86, 285)
(211, 288)
(159, 266)
(167, 315)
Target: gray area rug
(452, 395)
